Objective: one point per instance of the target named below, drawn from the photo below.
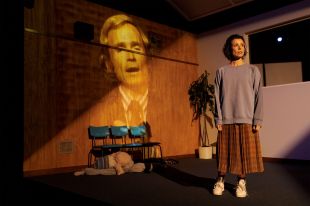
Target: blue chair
(136, 135)
(119, 133)
(140, 132)
(99, 136)
(137, 132)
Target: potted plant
(201, 98)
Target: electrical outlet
(66, 147)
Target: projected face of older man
(129, 67)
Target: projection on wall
(124, 60)
(105, 68)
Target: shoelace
(217, 184)
(240, 187)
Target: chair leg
(89, 159)
(143, 153)
(161, 154)
(148, 152)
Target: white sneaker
(218, 187)
(241, 188)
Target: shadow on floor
(187, 179)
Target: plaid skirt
(239, 150)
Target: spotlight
(279, 39)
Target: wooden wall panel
(41, 17)
(64, 84)
(172, 120)
(39, 108)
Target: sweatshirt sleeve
(218, 112)
(258, 102)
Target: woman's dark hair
(227, 49)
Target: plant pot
(205, 152)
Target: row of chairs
(109, 139)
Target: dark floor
(187, 183)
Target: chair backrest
(119, 131)
(137, 131)
(98, 132)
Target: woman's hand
(219, 127)
(256, 128)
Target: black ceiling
(163, 12)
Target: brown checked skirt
(239, 150)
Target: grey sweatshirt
(238, 95)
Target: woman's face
(129, 67)
(238, 48)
